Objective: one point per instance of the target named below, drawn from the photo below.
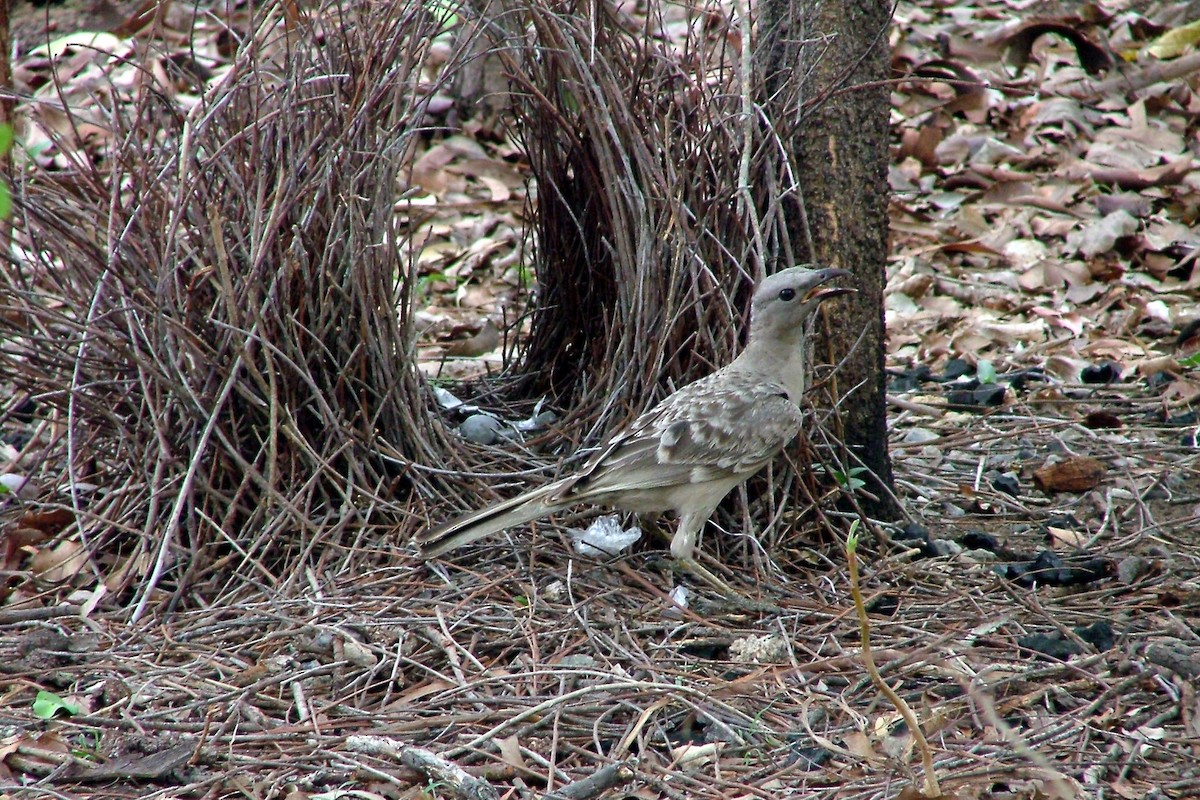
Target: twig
(864, 629)
(600, 781)
(428, 763)
(1148, 76)
(748, 120)
(1052, 776)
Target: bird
(697, 444)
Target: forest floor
(1040, 612)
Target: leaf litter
(1040, 227)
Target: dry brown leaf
(9, 744)
(1181, 391)
(1114, 349)
(696, 755)
(125, 569)
(485, 341)
(499, 191)
(1167, 174)
(61, 562)
(1067, 537)
(1102, 235)
(1075, 474)
(1070, 321)
(921, 145)
(1009, 332)
(50, 522)
(510, 752)
(859, 744)
(1123, 789)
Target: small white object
(15, 484)
(604, 537)
(1157, 309)
(537, 420)
(445, 399)
(679, 596)
(537, 423)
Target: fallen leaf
(59, 563)
(1175, 42)
(510, 753)
(860, 745)
(696, 755)
(1075, 474)
(1102, 235)
(1066, 537)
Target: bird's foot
(729, 596)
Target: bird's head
(783, 301)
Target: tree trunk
(481, 89)
(838, 134)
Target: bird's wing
(728, 424)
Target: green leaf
(1191, 361)
(569, 101)
(850, 480)
(48, 705)
(6, 143)
(985, 372)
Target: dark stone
(1104, 372)
(1007, 483)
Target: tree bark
(481, 89)
(838, 133)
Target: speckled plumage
(686, 453)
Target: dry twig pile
(217, 312)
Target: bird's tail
(478, 524)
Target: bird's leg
(683, 547)
(683, 543)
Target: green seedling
(6, 143)
(850, 480)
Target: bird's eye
(787, 295)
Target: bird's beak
(822, 292)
